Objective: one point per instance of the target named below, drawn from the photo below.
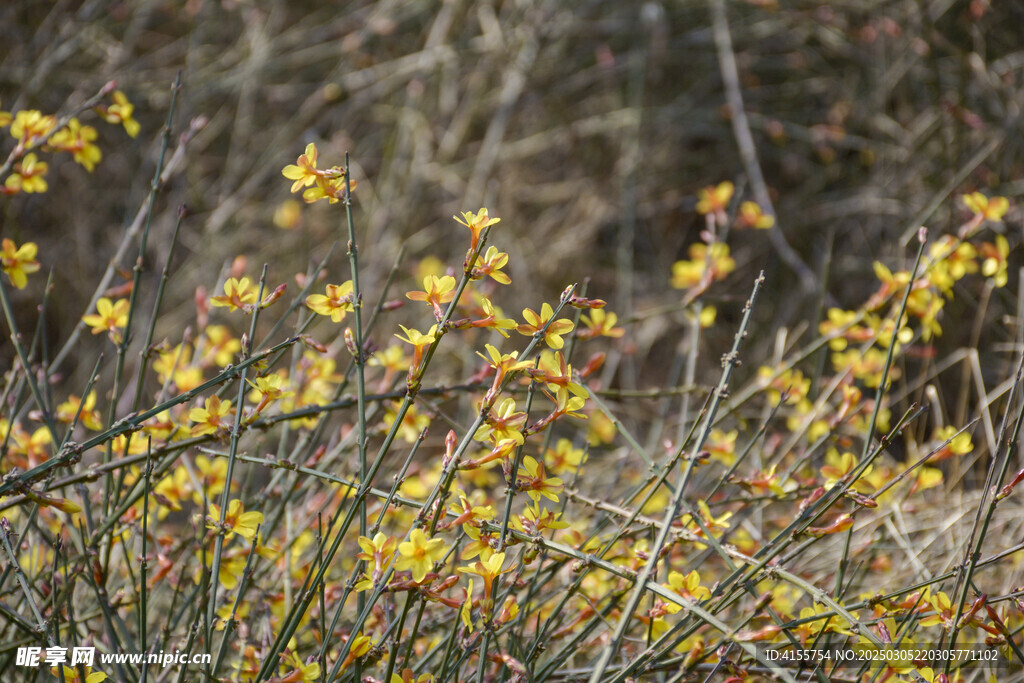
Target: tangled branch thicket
(693, 393)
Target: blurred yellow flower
(990, 208)
(18, 262)
(751, 216)
(714, 199)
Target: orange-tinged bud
(65, 505)
(811, 499)
(693, 656)
(311, 343)
(861, 499)
(593, 364)
(450, 442)
(581, 302)
(350, 343)
(1008, 489)
(838, 526)
(317, 454)
(62, 504)
(202, 307)
(968, 616)
(275, 295)
(766, 633)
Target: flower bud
(350, 343)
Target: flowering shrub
(308, 489)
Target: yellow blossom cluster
(33, 131)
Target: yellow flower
(121, 112)
(232, 566)
(236, 520)
(413, 422)
(89, 417)
(714, 199)
(267, 389)
(489, 570)
(419, 554)
(378, 549)
(77, 140)
(288, 214)
(409, 676)
(535, 520)
(891, 284)
(209, 419)
(331, 188)
(994, 263)
(536, 483)
(867, 367)
(418, 340)
(959, 444)
(28, 450)
(792, 382)
(707, 263)
(990, 208)
(360, 646)
(30, 125)
(303, 171)
(466, 612)
(943, 607)
(228, 609)
(838, 466)
(28, 175)
(73, 675)
(493, 318)
(302, 672)
(751, 216)
(110, 317)
(237, 294)
(951, 261)
(221, 345)
(503, 363)
(927, 478)
(436, 291)
(601, 429)
(564, 458)
(392, 359)
(710, 522)
(535, 323)
(491, 264)
(476, 222)
(557, 374)
(687, 586)
(841, 327)
(566, 404)
(378, 552)
(707, 316)
(212, 476)
(172, 489)
(18, 262)
(601, 323)
(505, 423)
(335, 303)
(722, 446)
(175, 365)
(161, 427)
